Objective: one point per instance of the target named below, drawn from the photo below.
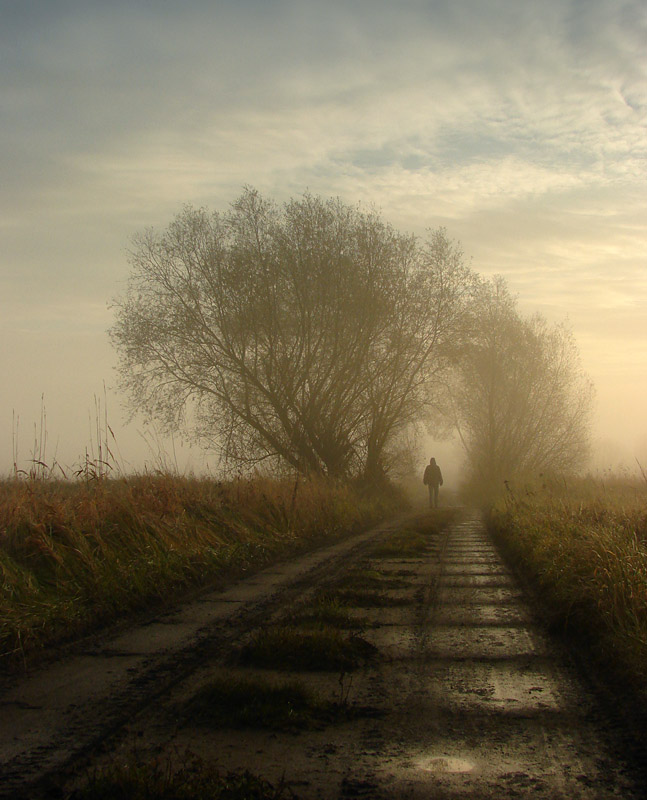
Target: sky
(521, 127)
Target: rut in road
(471, 698)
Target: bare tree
(306, 335)
(521, 402)
(405, 377)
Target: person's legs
(431, 495)
(436, 496)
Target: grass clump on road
(251, 702)
(418, 537)
(366, 579)
(434, 520)
(326, 611)
(360, 598)
(584, 545)
(403, 544)
(141, 778)
(286, 647)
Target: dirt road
(460, 695)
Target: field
(77, 555)
(583, 545)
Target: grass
(140, 778)
(435, 520)
(286, 647)
(403, 544)
(326, 610)
(418, 537)
(366, 579)
(584, 545)
(367, 598)
(76, 555)
(251, 702)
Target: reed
(78, 554)
(583, 542)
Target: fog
(519, 129)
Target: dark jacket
(433, 475)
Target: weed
(246, 702)
(289, 648)
(434, 521)
(403, 544)
(360, 598)
(364, 579)
(582, 544)
(139, 778)
(326, 611)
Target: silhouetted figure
(433, 479)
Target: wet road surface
(482, 702)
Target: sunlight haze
(519, 127)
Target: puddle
(445, 764)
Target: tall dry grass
(584, 544)
(74, 555)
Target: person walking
(433, 480)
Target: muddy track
(471, 697)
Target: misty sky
(519, 126)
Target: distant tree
(520, 401)
(309, 335)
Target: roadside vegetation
(583, 543)
(75, 555)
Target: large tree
(520, 400)
(310, 334)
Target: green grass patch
(140, 778)
(285, 647)
(246, 702)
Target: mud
(471, 698)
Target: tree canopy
(521, 403)
(311, 334)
